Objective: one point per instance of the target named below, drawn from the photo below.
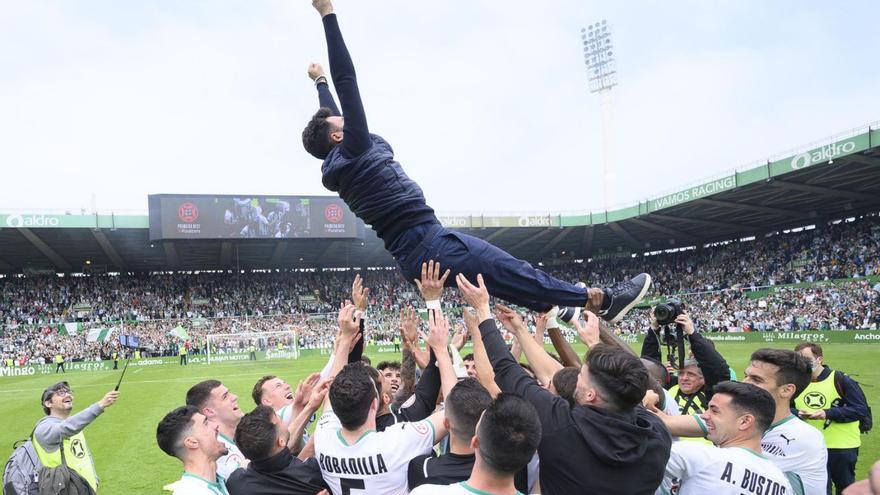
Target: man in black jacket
(273, 469)
(607, 442)
(698, 377)
(360, 167)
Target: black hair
(257, 392)
(199, 393)
(565, 381)
(366, 360)
(50, 392)
(255, 434)
(793, 367)
(388, 364)
(621, 376)
(509, 434)
(468, 357)
(316, 135)
(466, 402)
(351, 393)
(750, 399)
(657, 371)
(172, 429)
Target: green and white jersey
(231, 461)
(702, 469)
(190, 484)
(285, 414)
(461, 488)
(798, 449)
(376, 463)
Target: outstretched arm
(325, 97)
(356, 133)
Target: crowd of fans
(727, 287)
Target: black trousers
(842, 468)
(59, 366)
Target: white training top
(703, 469)
(376, 463)
(231, 461)
(460, 488)
(190, 484)
(798, 449)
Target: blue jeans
(506, 277)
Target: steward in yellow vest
(59, 432)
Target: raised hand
(589, 332)
(460, 338)
(510, 319)
(324, 7)
(315, 71)
(359, 294)
(687, 325)
(438, 331)
(409, 325)
(475, 295)
(304, 391)
(109, 399)
(431, 284)
(349, 321)
(316, 396)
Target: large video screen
(174, 216)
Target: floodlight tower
(602, 74)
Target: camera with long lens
(673, 338)
(666, 313)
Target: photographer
(698, 376)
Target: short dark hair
(257, 392)
(377, 380)
(468, 357)
(656, 371)
(621, 377)
(565, 381)
(509, 434)
(351, 393)
(793, 368)
(366, 360)
(388, 364)
(172, 429)
(814, 348)
(255, 434)
(466, 402)
(751, 399)
(199, 393)
(316, 135)
(51, 391)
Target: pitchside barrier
(784, 338)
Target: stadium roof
(825, 181)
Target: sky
(486, 103)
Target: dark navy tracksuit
(362, 170)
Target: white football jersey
(376, 463)
(702, 469)
(461, 488)
(798, 448)
(231, 461)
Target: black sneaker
(570, 314)
(624, 296)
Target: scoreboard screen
(189, 216)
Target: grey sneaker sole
(635, 301)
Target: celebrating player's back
(354, 458)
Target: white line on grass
(193, 379)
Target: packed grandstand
(815, 277)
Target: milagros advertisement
(251, 217)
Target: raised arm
(356, 133)
(438, 339)
(325, 97)
(542, 364)
(485, 374)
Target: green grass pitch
(123, 440)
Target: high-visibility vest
(824, 395)
(689, 405)
(76, 454)
(59, 359)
